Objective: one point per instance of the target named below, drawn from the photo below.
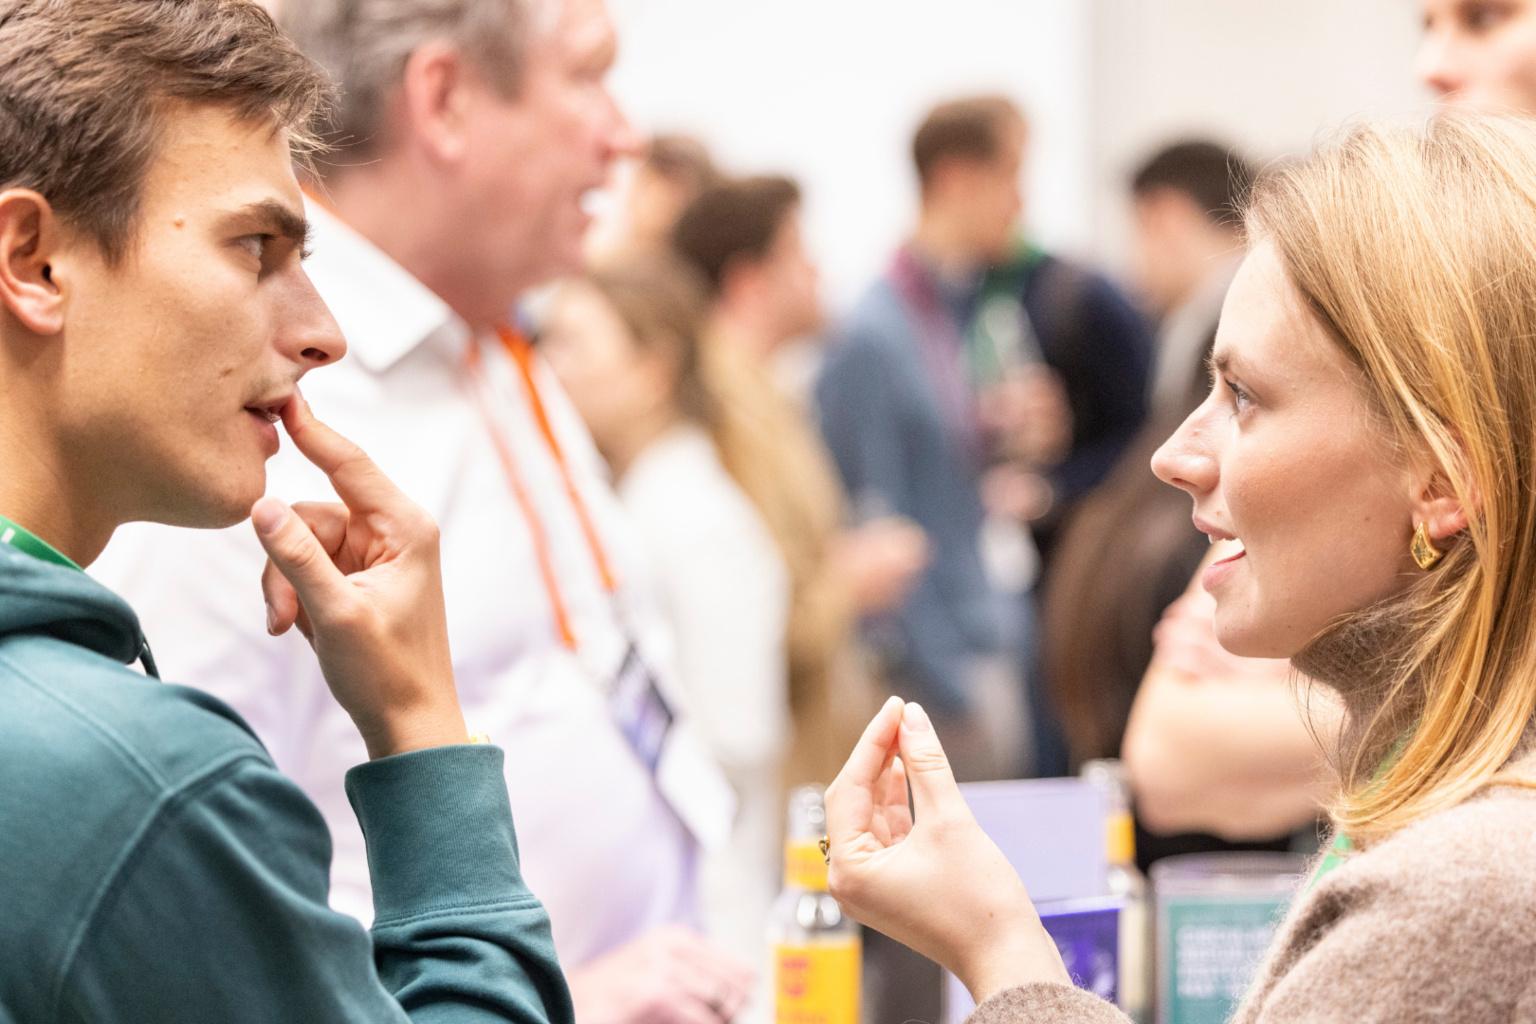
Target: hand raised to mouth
(361, 579)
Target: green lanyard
(1337, 854)
(999, 336)
(1342, 846)
(24, 540)
(27, 542)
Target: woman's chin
(1248, 639)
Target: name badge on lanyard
(663, 742)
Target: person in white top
(624, 340)
(469, 133)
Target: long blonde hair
(1416, 250)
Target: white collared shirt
(599, 844)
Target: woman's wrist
(1025, 956)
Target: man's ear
(434, 98)
(29, 238)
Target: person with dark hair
(1215, 754)
(1188, 242)
(625, 342)
(155, 320)
(468, 136)
(743, 236)
(981, 386)
(1097, 625)
(1130, 551)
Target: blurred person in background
(625, 342)
(744, 238)
(468, 136)
(1188, 242)
(981, 388)
(674, 170)
(1480, 53)
(1131, 550)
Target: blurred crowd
(657, 523)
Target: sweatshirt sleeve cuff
(438, 828)
(1046, 1003)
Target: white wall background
(830, 90)
(1262, 75)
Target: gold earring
(1425, 554)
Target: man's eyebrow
(281, 220)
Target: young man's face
(173, 358)
(990, 196)
(1481, 53)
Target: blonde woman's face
(1480, 53)
(1290, 472)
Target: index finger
(360, 484)
(851, 798)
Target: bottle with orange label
(816, 951)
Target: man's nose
(310, 335)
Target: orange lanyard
(522, 357)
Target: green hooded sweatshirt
(155, 866)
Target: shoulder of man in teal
(163, 870)
(92, 753)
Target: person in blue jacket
(982, 388)
(155, 320)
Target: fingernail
(271, 620)
(915, 718)
(268, 515)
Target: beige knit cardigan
(1435, 924)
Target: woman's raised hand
(929, 877)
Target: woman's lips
(1217, 572)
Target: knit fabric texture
(1436, 923)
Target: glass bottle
(816, 949)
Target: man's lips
(270, 409)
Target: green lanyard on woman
(1342, 846)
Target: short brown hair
(733, 220)
(970, 128)
(83, 85)
(365, 44)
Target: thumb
(297, 554)
(934, 791)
